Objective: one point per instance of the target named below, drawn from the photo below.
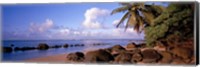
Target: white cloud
(92, 17)
(115, 22)
(41, 27)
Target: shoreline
(59, 58)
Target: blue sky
(63, 21)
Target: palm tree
(139, 15)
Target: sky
(63, 21)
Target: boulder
(75, 57)
(142, 45)
(123, 58)
(7, 49)
(133, 51)
(150, 56)
(117, 49)
(177, 61)
(137, 57)
(43, 46)
(131, 46)
(101, 56)
(166, 57)
(66, 45)
(182, 52)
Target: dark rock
(133, 51)
(123, 58)
(182, 52)
(75, 57)
(7, 49)
(71, 45)
(101, 56)
(150, 56)
(109, 50)
(142, 45)
(56, 46)
(118, 49)
(65, 45)
(131, 45)
(27, 48)
(17, 48)
(82, 45)
(166, 57)
(137, 57)
(12, 45)
(43, 46)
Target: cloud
(93, 16)
(48, 24)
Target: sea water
(88, 45)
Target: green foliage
(177, 20)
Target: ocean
(88, 45)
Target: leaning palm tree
(139, 15)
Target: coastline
(59, 58)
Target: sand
(61, 58)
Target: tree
(139, 15)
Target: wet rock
(131, 46)
(66, 45)
(82, 45)
(75, 57)
(182, 52)
(76, 45)
(123, 58)
(101, 56)
(117, 49)
(56, 46)
(7, 49)
(166, 57)
(71, 45)
(17, 48)
(43, 46)
(27, 48)
(137, 57)
(150, 56)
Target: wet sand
(61, 58)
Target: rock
(66, 45)
(117, 49)
(56, 46)
(177, 61)
(71, 45)
(109, 50)
(182, 52)
(7, 49)
(82, 45)
(98, 56)
(133, 51)
(137, 57)
(27, 48)
(75, 57)
(17, 48)
(123, 58)
(142, 45)
(166, 57)
(150, 56)
(131, 46)
(43, 46)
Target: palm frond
(123, 18)
(121, 9)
